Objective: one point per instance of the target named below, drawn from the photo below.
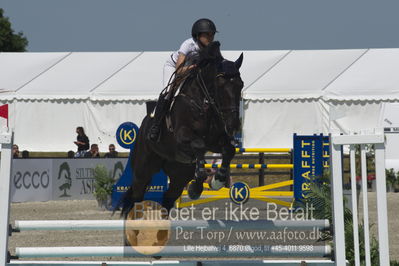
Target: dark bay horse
(203, 117)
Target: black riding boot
(160, 110)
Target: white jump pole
(354, 205)
(382, 209)
(206, 262)
(169, 224)
(337, 201)
(5, 175)
(175, 251)
(366, 225)
(337, 141)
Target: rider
(202, 32)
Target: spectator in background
(25, 154)
(112, 152)
(82, 141)
(93, 152)
(15, 151)
(71, 154)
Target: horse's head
(224, 84)
(228, 93)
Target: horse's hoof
(195, 189)
(216, 184)
(201, 174)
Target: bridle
(232, 108)
(219, 110)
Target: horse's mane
(207, 55)
(210, 54)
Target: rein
(211, 101)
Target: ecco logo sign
(28, 179)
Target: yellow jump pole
(252, 166)
(271, 150)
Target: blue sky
(161, 25)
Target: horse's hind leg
(142, 178)
(144, 167)
(179, 175)
(134, 211)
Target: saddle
(171, 97)
(168, 97)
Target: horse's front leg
(197, 185)
(222, 176)
(187, 138)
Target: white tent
(58, 92)
(288, 97)
(285, 92)
(359, 94)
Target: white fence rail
(6, 141)
(168, 224)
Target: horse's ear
(238, 62)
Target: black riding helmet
(202, 25)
